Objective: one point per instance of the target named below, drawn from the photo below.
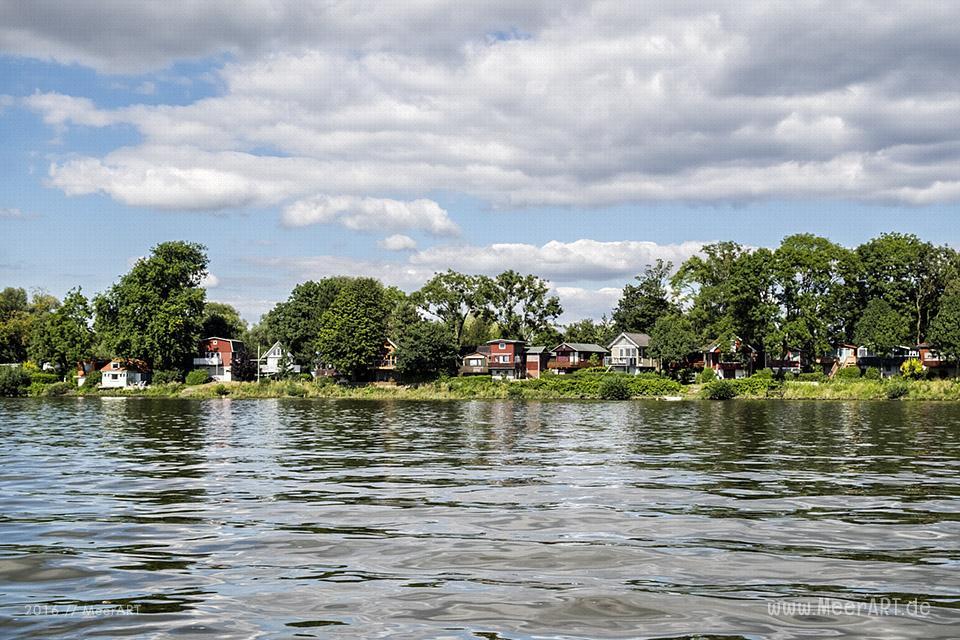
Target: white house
(628, 353)
(276, 361)
(124, 372)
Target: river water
(293, 518)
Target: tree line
(808, 294)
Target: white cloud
(579, 303)
(146, 88)
(370, 214)
(210, 281)
(11, 213)
(599, 103)
(397, 242)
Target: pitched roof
(639, 339)
(504, 340)
(127, 364)
(588, 347)
(536, 349)
(712, 345)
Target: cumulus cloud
(397, 242)
(210, 281)
(370, 214)
(548, 103)
(11, 213)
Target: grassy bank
(585, 385)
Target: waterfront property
(889, 364)
(789, 362)
(124, 372)
(476, 363)
(507, 359)
(729, 359)
(537, 358)
(220, 358)
(568, 357)
(629, 353)
(86, 367)
(386, 369)
(276, 361)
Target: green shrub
(515, 391)
(221, 390)
(166, 376)
(197, 376)
(92, 380)
(13, 381)
(815, 376)
(294, 390)
(58, 389)
(764, 374)
(706, 376)
(872, 373)
(897, 389)
(36, 389)
(911, 369)
(721, 390)
(615, 388)
(306, 377)
(42, 377)
(848, 373)
(755, 385)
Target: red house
(507, 359)
(537, 358)
(221, 358)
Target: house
(507, 359)
(789, 362)
(124, 372)
(567, 357)
(221, 358)
(842, 356)
(276, 361)
(475, 363)
(629, 353)
(729, 359)
(932, 360)
(889, 365)
(85, 367)
(537, 358)
(386, 369)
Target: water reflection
(475, 519)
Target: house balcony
(555, 363)
(468, 370)
(629, 361)
(210, 361)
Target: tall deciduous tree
(643, 303)
(223, 321)
(520, 305)
(64, 337)
(881, 328)
(298, 321)
(587, 330)
(425, 350)
(354, 328)
(451, 298)
(155, 312)
(672, 339)
(18, 319)
(945, 327)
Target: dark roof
(127, 364)
(536, 349)
(639, 339)
(505, 340)
(587, 347)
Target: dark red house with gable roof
(507, 359)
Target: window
(503, 345)
(114, 376)
(114, 365)
(213, 342)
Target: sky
(579, 141)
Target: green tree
(519, 304)
(155, 312)
(18, 319)
(298, 321)
(672, 339)
(643, 303)
(425, 350)
(64, 337)
(945, 328)
(223, 321)
(403, 315)
(881, 328)
(451, 298)
(354, 328)
(809, 275)
(587, 330)
(908, 273)
(476, 331)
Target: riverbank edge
(896, 389)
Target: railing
(474, 369)
(566, 364)
(213, 361)
(628, 361)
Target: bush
(721, 390)
(815, 376)
(58, 389)
(36, 389)
(755, 385)
(13, 381)
(197, 376)
(764, 374)
(848, 373)
(911, 369)
(166, 376)
(92, 380)
(615, 388)
(295, 390)
(872, 373)
(897, 389)
(706, 376)
(221, 390)
(43, 377)
(306, 377)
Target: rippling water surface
(291, 518)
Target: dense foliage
(14, 381)
(353, 328)
(425, 350)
